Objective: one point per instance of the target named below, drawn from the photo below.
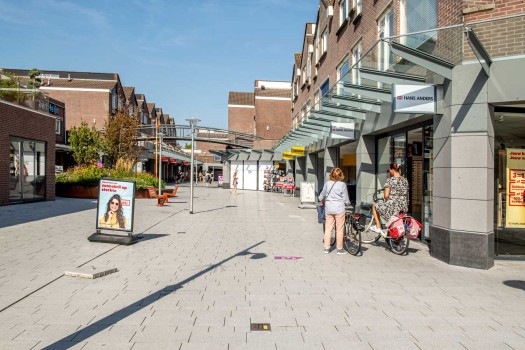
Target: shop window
(510, 181)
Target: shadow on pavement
(515, 284)
(108, 321)
(16, 214)
(205, 211)
(149, 236)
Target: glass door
(15, 177)
(27, 170)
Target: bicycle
(398, 245)
(351, 236)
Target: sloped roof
(128, 91)
(241, 98)
(79, 84)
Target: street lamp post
(160, 161)
(193, 123)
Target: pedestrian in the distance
(235, 182)
(335, 196)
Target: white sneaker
(376, 229)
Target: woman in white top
(335, 196)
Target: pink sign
(288, 257)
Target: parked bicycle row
(347, 229)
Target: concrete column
(462, 232)
(365, 170)
(289, 168)
(226, 175)
(331, 160)
(300, 174)
(311, 171)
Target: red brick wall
(273, 118)
(241, 119)
(500, 37)
(84, 105)
(23, 123)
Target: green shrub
(89, 175)
(86, 175)
(142, 180)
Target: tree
(9, 88)
(35, 82)
(187, 146)
(86, 144)
(120, 137)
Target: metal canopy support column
(432, 63)
(479, 50)
(369, 91)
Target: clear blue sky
(183, 55)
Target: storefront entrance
(27, 170)
(413, 149)
(509, 177)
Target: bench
(160, 199)
(172, 194)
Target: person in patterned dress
(395, 198)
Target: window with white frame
(356, 63)
(416, 16)
(303, 75)
(309, 66)
(58, 126)
(303, 113)
(342, 75)
(385, 28)
(317, 97)
(324, 41)
(308, 108)
(343, 11)
(358, 6)
(317, 46)
(296, 87)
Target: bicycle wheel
(352, 239)
(399, 245)
(368, 236)
(332, 237)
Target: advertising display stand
(115, 212)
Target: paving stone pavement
(198, 281)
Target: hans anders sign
(343, 131)
(414, 99)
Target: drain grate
(260, 327)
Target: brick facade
(24, 123)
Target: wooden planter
(90, 192)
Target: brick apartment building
(265, 112)
(361, 56)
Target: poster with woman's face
(116, 202)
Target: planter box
(90, 192)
